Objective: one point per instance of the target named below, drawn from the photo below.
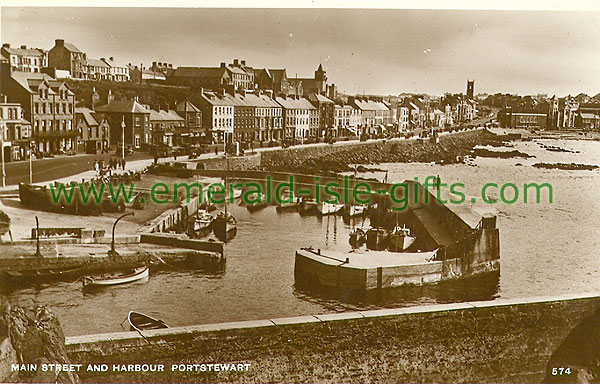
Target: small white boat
(324, 208)
(120, 278)
(353, 210)
(287, 200)
(400, 239)
(202, 224)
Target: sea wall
(490, 341)
(338, 157)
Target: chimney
(111, 58)
(222, 65)
(243, 62)
(6, 45)
(59, 42)
(236, 62)
(23, 47)
(153, 64)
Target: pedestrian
(123, 164)
(216, 151)
(96, 165)
(155, 158)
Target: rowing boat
(119, 278)
(140, 322)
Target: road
(56, 168)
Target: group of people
(106, 168)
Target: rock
(31, 335)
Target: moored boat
(287, 201)
(224, 226)
(140, 322)
(354, 210)
(325, 208)
(118, 278)
(202, 224)
(377, 238)
(307, 206)
(357, 238)
(257, 203)
(400, 239)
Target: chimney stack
(235, 62)
(222, 65)
(243, 62)
(111, 58)
(23, 47)
(59, 42)
(6, 45)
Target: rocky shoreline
(340, 158)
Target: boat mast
(226, 172)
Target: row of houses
(64, 60)
(570, 113)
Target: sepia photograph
(299, 193)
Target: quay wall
(501, 341)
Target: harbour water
(546, 248)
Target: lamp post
(30, 163)
(3, 125)
(123, 138)
(113, 252)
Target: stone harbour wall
(501, 341)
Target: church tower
(322, 78)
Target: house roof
(290, 103)
(216, 99)
(30, 81)
(237, 70)
(123, 106)
(97, 63)
(114, 63)
(87, 116)
(187, 106)
(198, 72)
(24, 52)
(319, 98)
(72, 48)
(370, 105)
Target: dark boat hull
(377, 239)
(224, 230)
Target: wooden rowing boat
(119, 278)
(140, 322)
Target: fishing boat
(207, 206)
(324, 208)
(287, 201)
(224, 226)
(400, 239)
(358, 237)
(377, 238)
(354, 210)
(119, 278)
(202, 224)
(140, 322)
(307, 206)
(258, 203)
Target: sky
(374, 51)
